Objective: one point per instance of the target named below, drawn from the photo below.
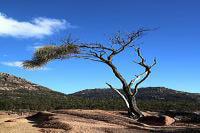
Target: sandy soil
(77, 121)
(16, 124)
(83, 123)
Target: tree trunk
(130, 101)
(133, 110)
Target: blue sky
(28, 24)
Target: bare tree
(104, 54)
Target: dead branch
(120, 94)
(147, 70)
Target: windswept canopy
(45, 54)
(91, 51)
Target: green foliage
(45, 54)
(50, 100)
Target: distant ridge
(147, 93)
(10, 82)
(149, 98)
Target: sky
(26, 25)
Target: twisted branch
(147, 71)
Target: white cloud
(13, 64)
(36, 28)
(19, 64)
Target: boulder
(157, 120)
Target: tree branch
(117, 74)
(125, 42)
(147, 71)
(86, 57)
(137, 77)
(95, 46)
(120, 94)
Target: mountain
(149, 98)
(148, 93)
(10, 82)
(19, 94)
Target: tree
(104, 54)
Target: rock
(168, 120)
(156, 120)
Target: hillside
(19, 94)
(149, 98)
(148, 93)
(10, 82)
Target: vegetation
(26, 100)
(104, 54)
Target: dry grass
(14, 124)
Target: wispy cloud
(36, 28)
(13, 64)
(19, 64)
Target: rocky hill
(18, 94)
(10, 82)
